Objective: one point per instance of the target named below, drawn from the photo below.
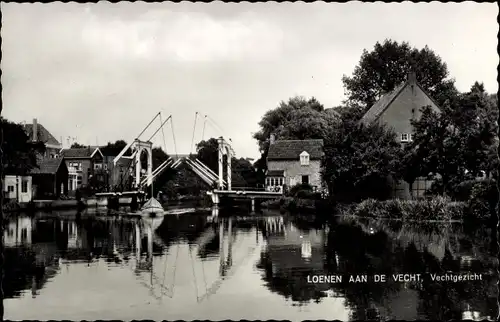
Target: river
(88, 266)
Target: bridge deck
(248, 193)
(119, 194)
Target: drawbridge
(142, 178)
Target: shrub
(463, 190)
(438, 208)
(290, 204)
(483, 200)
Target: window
(105, 166)
(304, 158)
(78, 180)
(404, 137)
(410, 137)
(24, 186)
(10, 188)
(305, 179)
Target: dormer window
(404, 137)
(304, 158)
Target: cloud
(185, 37)
(110, 67)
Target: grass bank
(437, 208)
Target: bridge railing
(248, 188)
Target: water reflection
(119, 266)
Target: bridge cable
(163, 133)
(147, 126)
(194, 130)
(203, 132)
(215, 123)
(173, 136)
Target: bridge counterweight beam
(221, 170)
(228, 170)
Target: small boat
(153, 208)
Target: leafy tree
(207, 153)
(19, 154)
(113, 149)
(77, 145)
(297, 119)
(388, 64)
(359, 159)
(458, 143)
(279, 119)
(242, 171)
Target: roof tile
(291, 149)
(48, 166)
(78, 152)
(42, 133)
(381, 105)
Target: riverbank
(59, 204)
(432, 209)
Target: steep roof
(43, 134)
(80, 153)
(386, 100)
(382, 104)
(291, 149)
(275, 173)
(48, 166)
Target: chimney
(412, 77)
(272, 138)
(35, 130)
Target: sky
(100, 72)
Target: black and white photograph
(249, 161)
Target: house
(290, 256)
(396, 109)
(50, 179)
(83, 164)
(38, 133)
(18, 188)
(292, 162)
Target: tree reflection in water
(355, 246)
(293, 249)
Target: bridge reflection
(198, 253)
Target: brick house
(83, 164)
(396, 109)
(292, 162)
(38, 133)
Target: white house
(18, 188)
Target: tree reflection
(370, 247)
